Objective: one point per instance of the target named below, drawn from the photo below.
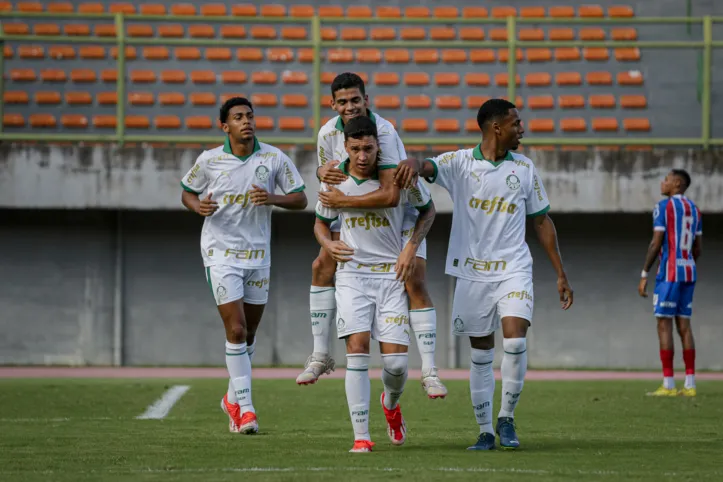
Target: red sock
(689, 359)
(666, 356)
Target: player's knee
(417, 291)
(395, 364)
(514, 346)
(323, 268)
(236, 333)
(483, 342)
(357, 345)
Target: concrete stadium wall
(58, 292)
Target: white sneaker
(432, 385)
(315, 367)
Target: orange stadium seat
(155, 53)
(202, 98)
(171, 31)
(627, 55)
(541, 125)
(233, 77)
(218, 54)
(341, 56)
(470, 125)
(477, 79)
(604, 124)
(573, 124)
(503, 55)
(498, 33)
(369, 56)
(592, 33)
(590, 11)
(264, 123)
(532, 12)
(187, 53)
(481, 56)
(171, 98)
(396, 56)
(541, 102)
(454, 56)
(327, 77)
(389, 12)
(386, 78)
(562, 12)
(46, 29)
(141, 98)
(142, 76)
(415, 125)
(471, 33)
(7, 52)
(417, 12)
(16, 28)
(294, 100)
(214, 10)
(632, 77)
(186, 9)
(90, 8)
(264, 100)
(104, 121)
(383, 33)
(442, 33)
(107, 98)
(387, 102)
(326, 100)
(291, 123)
(15, 97)
(531, 34)
(294, 78)
(152, 9)
(561, 34)
(474, 12)
(31, 52)
(446, 79)
(244, 10)
(263, 32)
(412, 33)
(417, 102)
(475, 101)
(538, 79)
(293, 33)
(621, 11)
(633, 101)
(233, 31)
(446, 125)
(637, 124)
(416, 79)
(567, 54)
(42, 120)
(141, 30)
(83, 76)
(52, 75)
(602, 101)
(46, 97)
(78, 98)
(573, 101)
(167, 122)
(249, 54)
(122, 8)
(426, 56)
(203, 77)
(624, 33)
(595, 54)
(60, 7)
(92, 52)
(130, 52)
(362, 11)
(137, 122)
(446, 12)
(539, 55)
(74, 121)
(448, 102)
(104, 30)
(173, 76)
(502, 79)
(599, 78)
(109, 75)
(329, 33)
(201, 31)
(331, 11)
(13, 120)
(502, 12)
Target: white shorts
(229, 283)
(377, 305)
(478, 307)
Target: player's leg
(391, 329)
(474, 318)
(227, 286)
(515, 303)
(322, 306)
(665, 302)
(256, 295)
(682, 322)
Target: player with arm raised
(677, 242)
(493, 191)
(374, 264)
(232, 186)
(350, 101)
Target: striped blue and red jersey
(680, 219)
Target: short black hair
(229, 104)
(683, 174)
(359, 127)
(347, 80)
(493, 109)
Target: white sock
(424, 326)
(322, 307)
(239, 369)
(690, 381)
(669, 382)
(231, 393)
(394, 376)
(514, 367)
(358, 393)
(482, 387)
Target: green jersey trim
(188, 189)
(432, 179)
(344, 166)
(326, 220)
(381, 168)
(227, 149)
(539, 213)
(425, 207)
(477, 154)
(298, 189)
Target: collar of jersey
(477, 153)
(227, 149)
(344, 166)
(340, 124)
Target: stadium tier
(173, 88)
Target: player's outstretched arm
(405, 263)
(293, 201)
(547, 234)
(193, 202)
(653, 250)
(337, 249)
(424, 168)
(387, 196)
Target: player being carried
(677, 231)
(493, 191)
(349, 100)
(374, 263)
(232, 186)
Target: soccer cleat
(687, 392)
(396, 428)
(486, 441)
(233, 410)
(361, 446)
(663, 392)
(249, 424)
(506, 430)
(315, 367)
(432, 385)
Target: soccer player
(374, 262)
(677, 231)
(350, 101)
(493, 191)
(232, 186)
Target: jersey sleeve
(419, 196)
(659, 217)
(699, 224)
(328, 215)
(323, 149)
(391, 149)
(287, 176)
(196, 180)
(446, 170)
(536, 203)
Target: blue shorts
(672, 298)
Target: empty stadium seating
(562, 90)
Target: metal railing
(317, 44)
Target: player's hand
(331, 198)
(565, 290)
(406, 174)
(260, 196)
(339, 251)
(330, 174)
(207, 207)
(643, 287)
(405, 263)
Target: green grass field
(71, 430)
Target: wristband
(644, 274)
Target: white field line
(160, 408)
(53, 420)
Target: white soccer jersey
(491, 201)
(375, 235)
(238, 234)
